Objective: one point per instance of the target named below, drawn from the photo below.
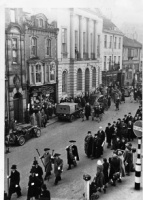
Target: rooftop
(131, 42)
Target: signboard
(137, 128)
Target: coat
(72, 152)
(88, 145)
(87, 110)
(99, 179)
(39, 119)
(33, 186)
(58, 166)
(38, 171)
(108, 132)
(33, 120)
(96, 147)
(47, 162)
(14, 180)
(115, 166)
(105, 171)
(45, 195)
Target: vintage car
(68, 111)
(22, 134)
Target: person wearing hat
(39, 119)
(58, 167)
(38, 170)
(139, 110)
(123, 143)
(119, 128)
(108, 133)
(130, 134)
(129, 117)
(14, 182)
(47, 163)
(88, 144)
(96, 147)
(101, 135)
(105, 170)
(117, 102)
(124, 131)
(128, 158)
(72, 154)
(126, 119)
(87, 111)
(34, 185)
(45, 194)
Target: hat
(72, 141)
(56, 154)
(13, 167)
(100, 127)
(109, 124)
(125, 115)
(129, 113)
(119, 153)
(46, 149)
(89, 131)
(35, 162)
(96, 134)
(119, 119)
(114, 122)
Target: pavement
(56, 136)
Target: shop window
(48, 47)
(52, 71)
(33, 46)
(38, 73)
(14, 50)
(79, 79)
(64, 81)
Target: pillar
(88, 38)
(72, 36)
(94, 40)
(81, 37)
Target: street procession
(73, 106)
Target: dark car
(22, 134)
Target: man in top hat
(72, 154)
(45, 194)
(38, 171)
(34, 186)
(108, 133)
(88, 144)
(14, 182)
(47, 163)
(58, 167)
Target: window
(94, 77)
(38, 73)
(41, 22)
(52, 71)
(48, 47)
(115, 42)
(98, 46)
(110, 62)
(14, 50)
(32, 74)
(119, 43)
(104, 63)
(33, 47)
(135, 53)
(105, 41)
(79, 79)
(64, 81)
(84, 41)
(114, 59)
(12, 15)
(110, 44)
(64, 42)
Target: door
(18, 107)
(87, 80)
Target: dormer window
(41, 22)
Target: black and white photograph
(71, 99)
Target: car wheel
(71, 118)
(38, 133)
(21, 141)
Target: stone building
(79, 51)
(132, 61)
(15, 72)
(41, 58)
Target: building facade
(112, 52)
(41, 58)
(15, 72)
(132, 61)
(79, 51)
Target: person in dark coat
(124, 131)
(39, 119)
(123, 143)
(105, 170)
(101, 135)
(72, 154)
(117, 102)
(109, 101)
(115, 166)
(119, 128)
(34, 186)
(108, 133)
(38, 170)
(45, 194)
(14, 182)
(58, 167)
(130, 130)
(117, 144)
(96, 147)
(126, 119)
(88, 144)
(47, 163)
(87, 111)
(128, 159)
(129, 117)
